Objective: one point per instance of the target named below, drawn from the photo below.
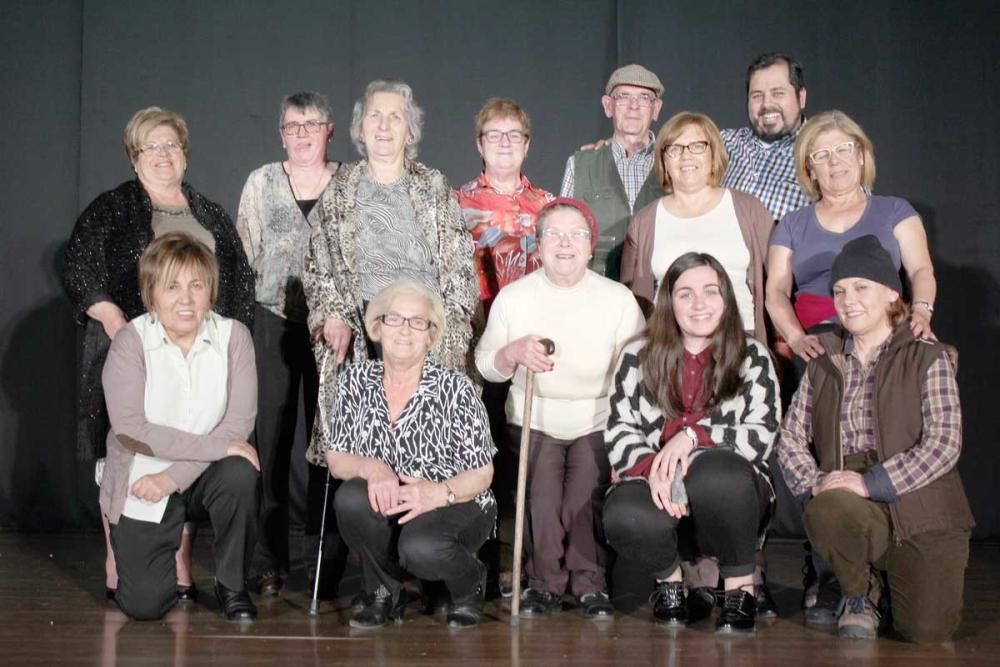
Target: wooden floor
(53, 612)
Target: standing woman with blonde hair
(102, 268)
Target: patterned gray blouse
(391, 245)
(275, 236)
(442, 431)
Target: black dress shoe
(765, 603)
(670, 604)
(700, 603)
(537, 603)
(187, 593)
(110, 593)
(597, 606)
(466, 611)
(382, 607)
(739, 613)
(236, 605)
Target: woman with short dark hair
(694, 412)
(280, 206)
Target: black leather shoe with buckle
(739, 613)
(670, 604)
(236, 605)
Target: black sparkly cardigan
(102, 264)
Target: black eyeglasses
(397, 320)
(311, 127)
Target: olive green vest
(597, 182)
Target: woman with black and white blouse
(411, 440)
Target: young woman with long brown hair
(693, 415)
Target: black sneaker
(537, 603)
(670, 604)
(382, 608)
(739, 613)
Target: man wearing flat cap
(618, 178)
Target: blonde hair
(817, 125)
(165, 257)
(379, 306)
(144, 121)
(674, 128)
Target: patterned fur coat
(331, 285)
(746, 424)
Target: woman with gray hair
(412, 443)
(387, 218)
(279, 208)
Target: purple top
(814, 247)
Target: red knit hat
(584, 210)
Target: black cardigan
(102, 264)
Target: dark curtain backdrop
(920, 76)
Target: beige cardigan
(125, 388)
(637, 258)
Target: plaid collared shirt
(766, 171)
(633, 170)
(935, 454)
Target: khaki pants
(926, 573)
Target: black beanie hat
(864, 257)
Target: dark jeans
(440, 545)
(228, 494)
(926, 573)
(285, 369)
(563, 538)
(727, 501)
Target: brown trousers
(566, 484)
(926, 573)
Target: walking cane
(314, 603)
(326, 353)
(522, 483)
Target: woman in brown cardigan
(696, 214)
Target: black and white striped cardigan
(746, 424)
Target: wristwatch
(450, 498)
(690, 432)
(926, 304)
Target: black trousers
(727, 501)
(228, 494)
(286, 369)
(440, 545)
